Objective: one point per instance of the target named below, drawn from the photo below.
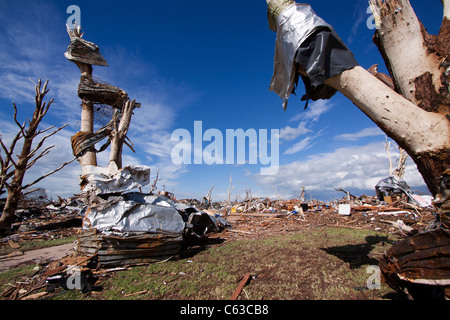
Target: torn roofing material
(112, 179)
(306, 41)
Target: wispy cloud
(309, 118)
(314, 111)
(360, 16)
(289, 133)
(303, 144)
(366, 132)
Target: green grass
(317, 264)
(36, 244)
(14, 275)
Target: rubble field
(41, 224)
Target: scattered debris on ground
(117, 228)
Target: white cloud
(313, 114)
(288, 133)
(367, 132)
(355, 168)
(304, 144)
(314, 111)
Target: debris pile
(399, 217)
(124, 227)
(42, 219)
(117, 227)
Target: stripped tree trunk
(89, 157)
(418, 63)
(417, 118)
(119, 133)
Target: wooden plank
(266, 215)
(139, 252)
(121, 262)
(87, 250)
(241, 286)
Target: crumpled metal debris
(135, 213)
(126, 227)
(394, 186)
(113, 180)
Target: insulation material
(321, 55)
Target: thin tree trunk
(27, 157)
(401, 39)
(446, 4)
(418, 63)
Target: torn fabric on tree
(305, 40)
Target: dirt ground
(37, 256)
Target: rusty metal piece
(241, 286)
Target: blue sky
(198, 61)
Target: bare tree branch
(21, 126)
(43, 153)
(32, 152)
(13, 180)
(8, 153)
(48, 174)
